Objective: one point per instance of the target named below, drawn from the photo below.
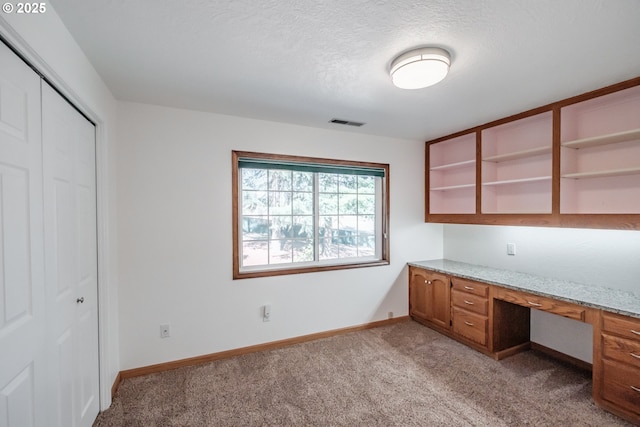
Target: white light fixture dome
(420, 68)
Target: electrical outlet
(511, 248)
(165, 330)
(390, 315)
(266, 313)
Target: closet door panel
(71, 258)
(22, 304)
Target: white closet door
(70, 261)
(22, 304)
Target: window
(298, 214)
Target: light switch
(511, 248)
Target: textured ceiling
(308, 61)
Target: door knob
(80, 300)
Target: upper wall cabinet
(573, 163)
(452, 175)
(600, 168)
(516, 166)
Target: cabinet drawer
(626, 327)
(470, 326)
(560, 308)
(470, 302)
(622, 350)
(621, 386)
(470, 287)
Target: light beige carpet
(399, 375)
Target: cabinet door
(429, 297)
(438, 300)
(418, 293)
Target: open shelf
(602, 174)
(452, 187)
(518, 181)
(451, 173)
(572, 163)
(466, 163)
(611, 138)
(518, 154)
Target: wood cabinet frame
(629, 221)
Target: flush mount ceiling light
(420, 68)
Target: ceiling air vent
(346, 122)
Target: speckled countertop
(613, 300)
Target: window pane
(348, 204)
(280, 251)
(366, 184)
(303, 250)
(303, 203)
(279, 180)
(367, 223)
(254, 203)
(255, 253)
(328, 182)
(327, 225)
(348, 229)
(302, 227)
(366, 244)
(281, 227)
(348, 183)
(328, 249)
(254, 179)
(366, 204)
(328, 204)
(255, 228)
(302, 181)
(280, 203)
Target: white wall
(46, 43)
(606, 258)
(174, 207)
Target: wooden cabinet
(600, 170)
(452, 176)
(495, 320)
(429, 297)
(470, 310)
(516, 166)
(573, 163)
(616, 368)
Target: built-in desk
(489, 310)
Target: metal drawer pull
(471, 324)
(635, 332)
(469, 288)
(535, 304)
(428, 282)
(468, 302)
(637, 356)
(635, 388)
